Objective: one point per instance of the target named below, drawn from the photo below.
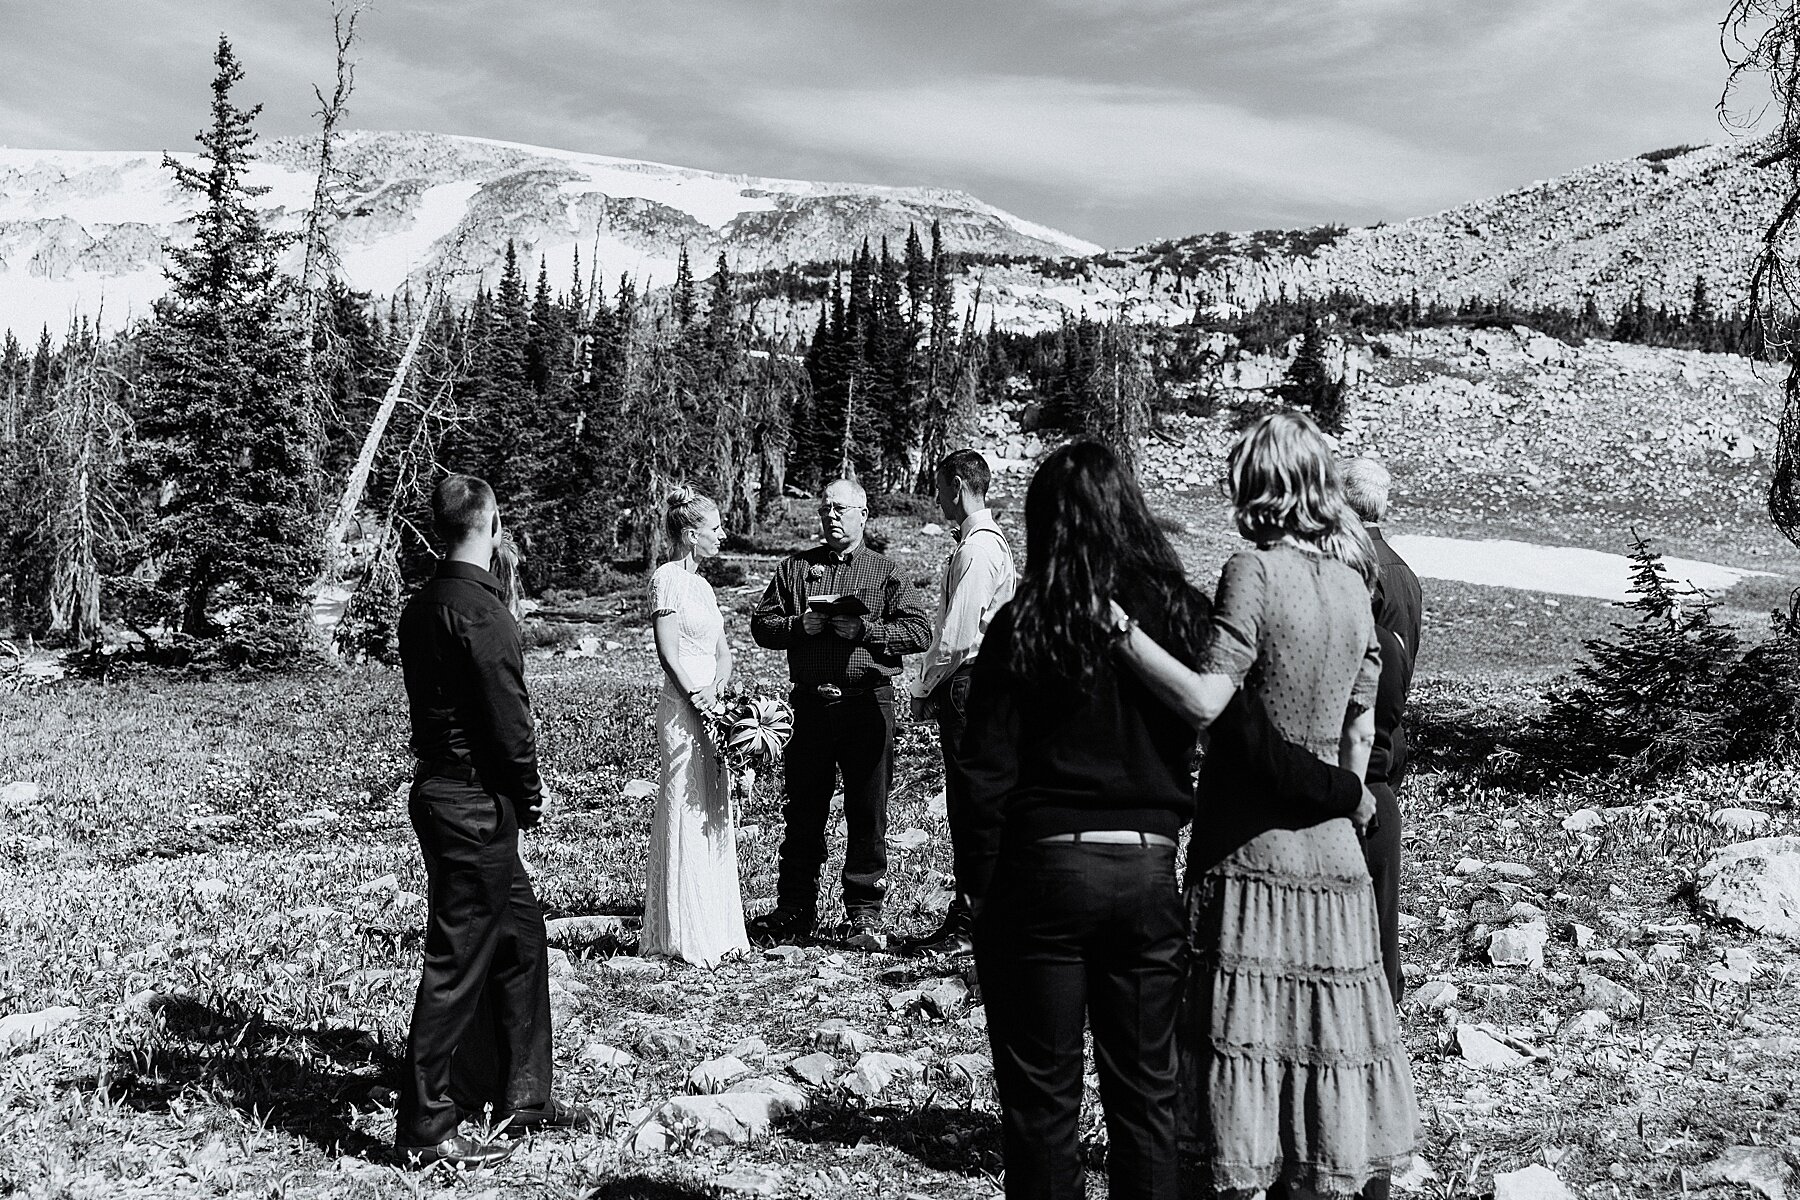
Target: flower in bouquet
(748, 731)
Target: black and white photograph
(1009, 600)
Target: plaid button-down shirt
(898, 622)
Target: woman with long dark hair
(1079, 782)
(1292, 1066)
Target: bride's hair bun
(685, 509)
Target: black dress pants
(951, 701)
(1381, 850)
(854, 736)
(486, 980)
(1073, 934)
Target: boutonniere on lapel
(815, 572)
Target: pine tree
(224, 431)
(1648, 698)
(1309, 384)
(681, 296)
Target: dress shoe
(459, 1151)
(557, 1115)
(782, 924)
(946, 939)
(862, 930)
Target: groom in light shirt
(978, 579)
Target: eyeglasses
(838, 510)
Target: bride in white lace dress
(692, 908)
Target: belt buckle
(830, 691)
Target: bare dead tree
(1761, 43)
(81, 443)
(319, 257)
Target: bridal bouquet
(749, 730)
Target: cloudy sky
(1116, 120)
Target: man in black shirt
(484, 993)
(842, 664)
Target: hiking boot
(950, 938)
(782, 924)
(862, 929)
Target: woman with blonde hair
(1293, 1075)
(692, 907)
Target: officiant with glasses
(845, 616)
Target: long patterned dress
(692, 907)
(1292, 1067)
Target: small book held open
(844, 604)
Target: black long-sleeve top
(465, 683)
(1044, 760)
(899, 620)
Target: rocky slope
(82, 231)
(1602, 231)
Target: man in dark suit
(485, 987)
(1399, 606)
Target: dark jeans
(854, 735)
(951, 701)
(486, 982)
(1075, 933)
(1381, 850)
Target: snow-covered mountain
(81, 232)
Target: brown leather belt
(1112, 837)
(446, 769)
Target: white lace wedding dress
(692, 908)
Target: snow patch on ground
(1563, 570)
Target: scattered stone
(1581, 935)
(751, 1181)
(1586, 1025)
(1584, 820)
(381, 883)
(599, 1054)
(907, 839)
(559, 964)
(1524, 910)
(1511, 870)
(1666, 952)
(1604, 955)
(669, 1043)
(1536, 1182)
(652, 1137)
(580, 931)
(818, 1068)
(1520, 945)
(1739, 822)
(313, 914)
(901, 1001)
(876, 1070)
(945, 999)
(967, 1070)
(769, 1085)
(629, 966)
(1756, 883)
(751, 1050)
(638, 789)
(1738, 966)
(18, 1030)
(786, 954)
(1481, 1049)
(716, 1074)
(1436, 995)
(728, 1119)
(1760, 1167)
(1686, 930)
(837, 1034)
(1470, 866)
(1597, 991)
(1417, 1177)
(210, 889)
(21, 793)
